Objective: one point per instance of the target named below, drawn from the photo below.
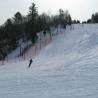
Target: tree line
(26, 27)
(93, 19)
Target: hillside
(66, 68)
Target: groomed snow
(66, 68)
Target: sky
(79, 9)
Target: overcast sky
(79, 9)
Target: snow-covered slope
(66, 68)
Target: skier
(30, 62)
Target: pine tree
(32, 23)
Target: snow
(15, 54)
(66, 68)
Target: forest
(25, 28)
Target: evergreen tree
(95, 18)
(11, 34)
(32, 23)
(18, 18)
